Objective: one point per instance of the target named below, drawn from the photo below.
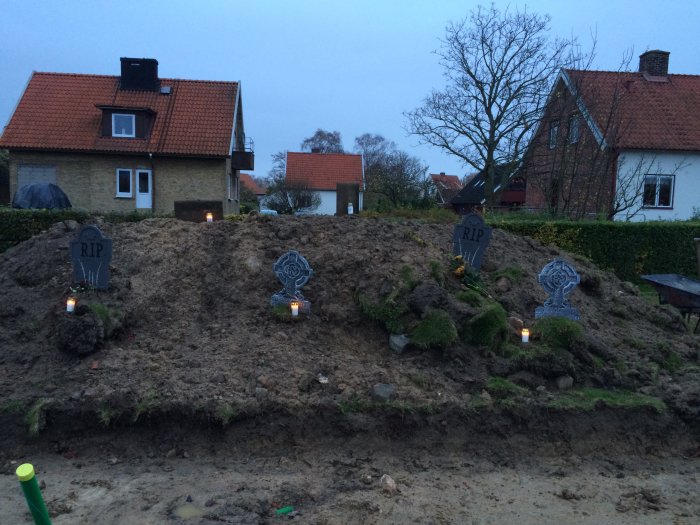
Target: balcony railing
(242, 156)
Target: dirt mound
(186, 328)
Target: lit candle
(70, 305)
(295, 309)
(526, 335)
(210, 217)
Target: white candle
(526, 335)
(210, 217)
(295, 309)
(70, 305)
(350, 208)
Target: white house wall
(686, 189)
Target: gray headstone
(558, 278)
(91, 253)
(470, 239)
(293, 271)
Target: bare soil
(197, 388)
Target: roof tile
(322, 171)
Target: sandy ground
(340, 483)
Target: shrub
(435, 329)
(471, 297)
(558, 332)
(489, 327)
(388, 312)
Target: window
(658, 191)
(123, 183)
(123, 125)
(574, 130)
(553, 132)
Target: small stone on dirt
(398, 343)
(565, 382)
(383, 392)
(388, 485)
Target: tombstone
(470, 239)
(91, 253)
(558, 278)
(293, 271)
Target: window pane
(553, 132)
(665, 191)
(650, 191)
(573, 129)
(143, 182)
(123, 125)
(123, 181)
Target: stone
(261, 393)
(383, 392)
(565, 382)
(503, 285)
(80, 334)
(398, 343)
(558, 278)
(516, 325)
(71, 225)
(388, 485)
(91, 253)
(470, 239)
(293, 271)
(486, 398)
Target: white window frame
(658, 178)
(123, 194)
(553, 134)
(133, 125)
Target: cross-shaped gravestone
(470, 239)
(293, 271)
(558, 278)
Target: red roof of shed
(58, 112)
(322, 171)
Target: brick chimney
(654, 63)
(140, 74)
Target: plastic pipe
(32, 493)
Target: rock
(565, 382)
(525, 378)
(516, 325)
(503, 284)
(388, 485)
(398, 343)
(486, 398)
(57, 228)
(253, 264)
(265, 381)
(261, 393)
(71, 225)
(541, 389)
(383, 392)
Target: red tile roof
(661, 114)
(447, 182)
(249, 183)
(322, 171)
(58, 112)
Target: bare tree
(323, 142)
(499, 67)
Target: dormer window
(123, 125)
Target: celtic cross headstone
(91, 253)
(558, 278)
(293, 271)
(470, 239)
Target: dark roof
(473, 191)
(322, 171)
(62, 112)
(661, 113)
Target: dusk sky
(353, 66)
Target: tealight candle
(295, 309)
(526, 335)
(210, 217)
(70, 305)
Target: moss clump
(671, 362)
(513, 273)
(435, 329)
(588, 398)
(558, 332)
(438, 272)
(501, 388)
(11, 407)
(389, 312)
(471, 297)
(488, 327)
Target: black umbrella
(40, 195)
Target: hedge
(19, 225)
(626, 248)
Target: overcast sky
(354, 66)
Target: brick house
(446, 187)
(129, 142)
(337, 177)
(624, 145)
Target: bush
(19, 225)
(558, 332)
(435, 329)
(388, 312)
(489, 327)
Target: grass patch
(501, 387)
(471, 297)
(558, 332)
(672, 361)
(489, 327)
(408, 277)
(418, 379)
(438, 272)
(633, 342)
(513, 273)
(388, 312)
(35, 418)
(588, 398)
(224, 414)
(11, 407)
(146, 405)
(106, 415)
(283, 312)
(526, 353)
(436, 329)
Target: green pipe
(32, 493)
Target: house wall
(90, 180)
(329, 203)
(686, 191)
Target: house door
(144, 189)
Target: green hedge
(626, 248)
(19, 225)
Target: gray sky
(351, 66)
